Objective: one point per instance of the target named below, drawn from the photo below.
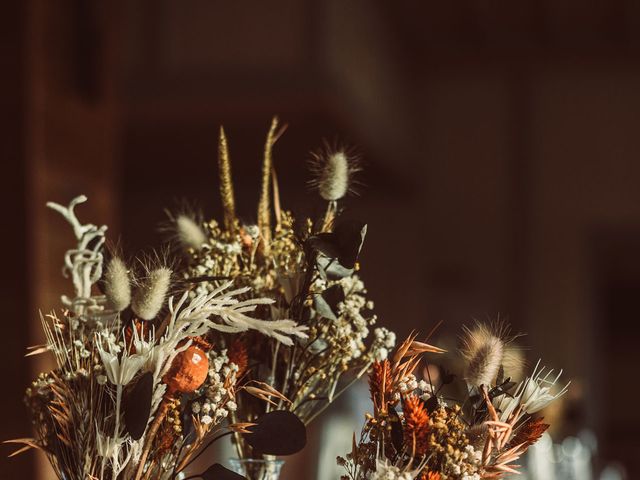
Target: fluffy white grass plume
(333, 182)
(189, 233)
(182, 228)
(117, 284)
(151, 293)
(333, 170)
(483, 352)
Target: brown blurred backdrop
(501, 141)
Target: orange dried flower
(238, 355)
(429, 475)
(380, 385)
(416, 428)
(529, 433)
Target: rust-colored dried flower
(426, 475)
(188, 371)
(416, 426)
(142, 330)
(238, 354)
(380, 385)
(529, 433)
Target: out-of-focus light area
(501, 150)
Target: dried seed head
(483, 351)
(117, 284)
(334, 182)
(189, 233)
(151, 293)
(333, 170)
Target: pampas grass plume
(189, 233)
(150, 296)
(117, 284)
(483, 352)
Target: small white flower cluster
(428, 390)
(351, 326)
(409, 384)
(472, 460)
(216, 402)
(387, 471)
(81, 349)
(383, 341)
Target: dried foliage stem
(226, 183)
(264, 213)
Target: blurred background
(501, 143)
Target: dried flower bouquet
(416, 432)
(132, 358)
(307, 268)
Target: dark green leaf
(278, 433)
(326, 303)
(338, 250)
(397, 434)
(218, 472)
(349, 236)
(137, 406)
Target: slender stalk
(153, 429)
(116, 433)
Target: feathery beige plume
(333, 182)
(226, 184)
(333, 168)
(188, 232)
(483, 351)
(150, 296)
(117, 284)
(264, 212)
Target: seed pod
(117, 284)
(333, 181)
(188, 370)
(149, 298)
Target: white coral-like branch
(222, 304)
(84, 262)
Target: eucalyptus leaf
(277, 433)
(350, 237)
(218, 472)
(326, 303)
(331, 268)
(343, 244)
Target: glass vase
(257, 469)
